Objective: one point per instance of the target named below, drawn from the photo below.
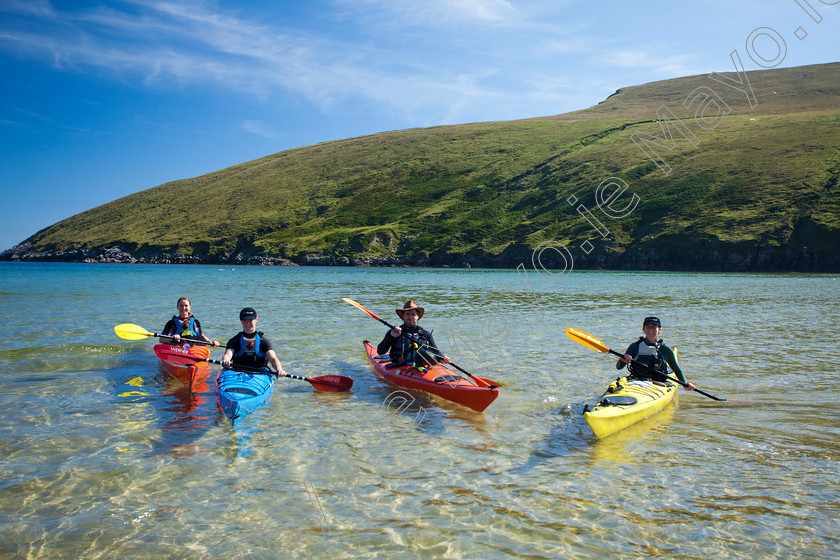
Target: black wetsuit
(663, 354)
(403, 350)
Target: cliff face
(684, 174)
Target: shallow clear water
(104, 456)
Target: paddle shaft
(590, 341)
(302, 378)
(246, 369)
(335, 383)
(674, 379)
(132, 329)
(184, 340)
(389, 325)
(377, 317)
(486, 382)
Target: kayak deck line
(626, 402)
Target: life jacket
(650, 356)
(185, 329)
(405, 349)
(250, 351)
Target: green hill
(754, 189)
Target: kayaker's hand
(176, 338)
(214, 344)
(226, 364)
(396, 332)
(626, 358)
(690, 387)
(446, 360)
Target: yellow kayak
(626, 402)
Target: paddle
(325, 383)
(591, 342)
(480, 381)
(129, 331)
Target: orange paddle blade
(359, 306)
(328, 383)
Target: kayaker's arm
(275, 361)
(671, 360)
(168, 335)
(227, 357)
(631, 351)
(431, 350)
(385, 346)
(207, 339)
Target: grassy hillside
(758, 191)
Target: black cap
(653, 320)
(247, 313)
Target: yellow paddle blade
(353, 303)
(586, 339)
(129, 331)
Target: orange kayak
(185, 373)
(437, 380)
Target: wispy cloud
(169, 43)
(174, 44)
(433, 12)
(673, 65)
(428, 62)
(31, 7)
(259, 128)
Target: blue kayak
(241, 393)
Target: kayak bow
(184, 363)
(241, 393)
(626, 402)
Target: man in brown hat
(409, 343)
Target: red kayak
(437, 380)
(172, 359)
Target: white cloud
(259, 128)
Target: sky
(101, 99)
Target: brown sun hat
(411, 305)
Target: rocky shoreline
(24, 252)
(720, 259)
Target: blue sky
(103, 99)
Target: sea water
(105, 456)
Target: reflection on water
(188, 413)
(621, 448)
(105, 456)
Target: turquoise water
(104, 456)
